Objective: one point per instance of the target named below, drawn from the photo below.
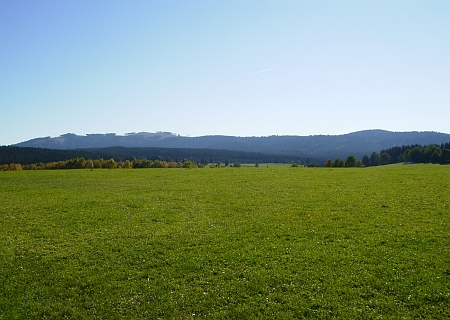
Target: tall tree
(416, 154)
(375, 159)
(431, 150)
(366, 160)
(445, 156)
(338, 163)
(351, 161)
(111, 164)
(385, 158)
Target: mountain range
(319, 146)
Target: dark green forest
(29, 156)
(413, 153)
(405, 154)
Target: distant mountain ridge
(329, 146)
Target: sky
(240, 68)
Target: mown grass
(236, 243)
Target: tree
(445, 156)
(385, 158)
(328, 164)
(435, 157)
(70, 164)
(98, 163)
(416, 154)
(406, 155)
(351, 161)
(124, 164)
(366, 160)
(338, 163)
(432, 153)
(375, 159)
(189, 164)
(159, 164)
(15, 167)
(89, 164)
(111, 163)
(80, 163)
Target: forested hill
(28, 155)
(328, 146)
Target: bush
(189, 164)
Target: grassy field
(253, 243)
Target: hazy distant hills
(320, 146)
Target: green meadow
(226, 243)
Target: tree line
(28, 155)
(81, 163)
(413, 153)
(350, 162)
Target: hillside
(328, 146)
(29, 155)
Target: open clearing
(226, 243)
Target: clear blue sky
(243, 68)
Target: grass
(185, 243)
